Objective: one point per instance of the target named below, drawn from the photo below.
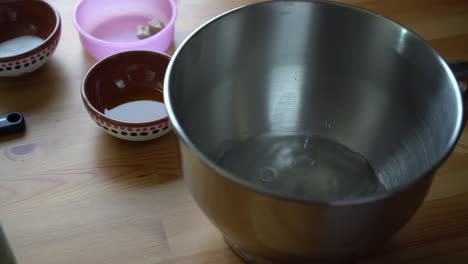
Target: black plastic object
(11, 122)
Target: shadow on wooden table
(138, 163)
(170, 51)
(34, 90)
(87, 61)
(436, 234)
(12, 136)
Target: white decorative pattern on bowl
(135, 133)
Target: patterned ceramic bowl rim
(101, 115)
(44, 44)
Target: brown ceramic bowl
(123, 94)
(29, 33)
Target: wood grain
(69, 193)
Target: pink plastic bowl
(107, 27)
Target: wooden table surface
(69, 193)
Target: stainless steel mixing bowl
(309, 69)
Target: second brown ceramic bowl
(123, 94)
(29, 33)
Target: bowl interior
(28, 24)
(116, 20)
(283, 99)
(128, 86)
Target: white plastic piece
(143, 31)
(155, 25)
